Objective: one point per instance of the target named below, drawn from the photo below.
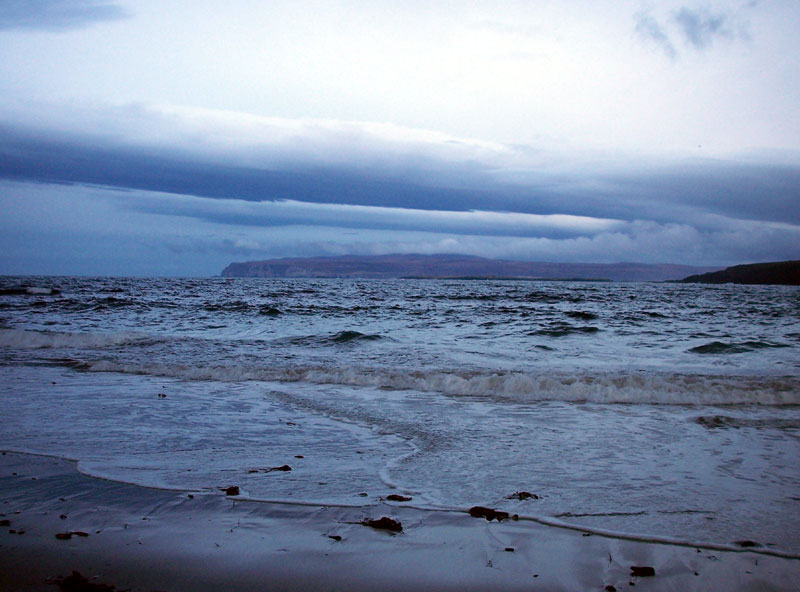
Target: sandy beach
(144, 539)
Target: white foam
(22, 339)
(658, 388)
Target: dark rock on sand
(232, 490)
(79, 583)
(335, 537)
(384, 523)
(713, 421)
(5, 522)
(644, 571)
(747, 543)
(610, 589)
(488, 513)
(398, 498)
(523, 495)
(283, 468)
(68, 535)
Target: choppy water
(655, 409)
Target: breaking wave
(518, 387)
(340, 338)
(720, 347)
(26, 339)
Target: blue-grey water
(662, 410)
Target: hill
(786, 273)
(452, 266)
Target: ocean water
(656, 410)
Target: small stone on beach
(335, 537)
(644, 571)
(79, 583)
(397, 498)
(232, 490)
(522, 495)
(270, 469)
(488, 513)
(384, 523)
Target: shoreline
(147, 539)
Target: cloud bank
(57, 15)
(206, 188)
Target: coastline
(145, 539)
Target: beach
(146, 539)
(626, 426)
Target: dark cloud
(25, 156)
(695, 27)
(684, 193)
(56, 15)
(700, 27)
(747, 191)
(651, 29)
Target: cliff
(451, 266)
(785, 273)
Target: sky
(172, 137)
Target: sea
(661, 411)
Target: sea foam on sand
(150, 539)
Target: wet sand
(144, 539)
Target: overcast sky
(173, 137)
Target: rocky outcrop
(453, 266)
(785, 273)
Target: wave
(519, 387)
(724, 421)
(581, 315)
(29, 291)
(340, 338)
(26, 339)
(564, 329)
(720, 347)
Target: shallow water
(654, 409)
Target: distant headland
(786, 273)
(455, 266)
